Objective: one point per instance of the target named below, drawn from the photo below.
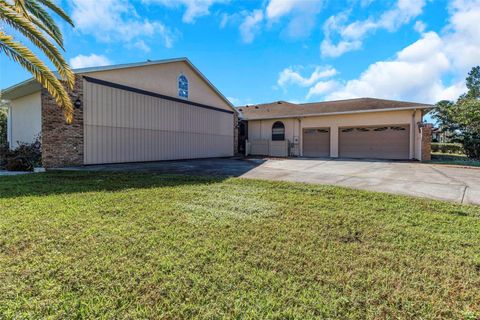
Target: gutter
(342, 112)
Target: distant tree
(31, 19)
(461, 118)
(3, 123)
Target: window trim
(278, 134)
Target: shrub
(451, 148)
(24, 158)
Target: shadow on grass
(115, 177)
(454, 159)
(54, 183)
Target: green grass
(454, 159)
(128, 246)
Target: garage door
(316, 142)
(129, 125)
(380, 142)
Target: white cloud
(351, 35)
(302, 15)
(250, 26)
(140, 44)
(292, 75)
(92, 60)
(420, 26)
(116, 20)
(322, 87)
(194, 8)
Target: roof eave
(418, 107)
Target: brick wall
(426, 131)
(62, 144)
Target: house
(155, 110)
(354, 128)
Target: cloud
(92, 60)
(420, 26)
(302, 15)
(250, 26)
(194, 8)
(292, 75)
(351, 35)
(117, 20)
(322, 87)
(140, 44)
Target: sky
(292, 50)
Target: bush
(451, 148)
(24, 158)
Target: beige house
(156, 110)
(355, 128)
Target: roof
(283, 109)
(31, 85)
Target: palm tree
(32, 20)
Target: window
(278, 131)
(183, 86)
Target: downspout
(412, 139)
(300, 138)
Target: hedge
(451, 148)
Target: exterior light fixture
(78, 103)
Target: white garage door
(124, 124)
(380, 142)
(316, 142)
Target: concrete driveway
(409, 178)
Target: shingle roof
(283, 109)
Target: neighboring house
(438, 135)
(156, 110)
(355, 128)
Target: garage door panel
(123, 126)
(381, 142)
(316, 142)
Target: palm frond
(29, 30)
(43, 20)
(27, 59)
(52, 6)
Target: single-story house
(354, 128)
(155, 110)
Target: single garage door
(380, 142)
(316, 142)
(126, 125)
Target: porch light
(77, 103)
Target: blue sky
(293, 50)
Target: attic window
(183, 86)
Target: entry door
(379, 142)
(316, 142)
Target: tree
(3, 124)
(461, 118)
(32, 20)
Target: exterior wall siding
(163, 79)
(62, 144)
(123, 126)
(261, 129)
(25, 119)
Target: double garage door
(375, 142)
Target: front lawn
(117, 246)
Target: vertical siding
(122, 126)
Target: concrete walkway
(441, 182)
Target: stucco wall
(162, 78)
(262, 129)
(25, 119)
